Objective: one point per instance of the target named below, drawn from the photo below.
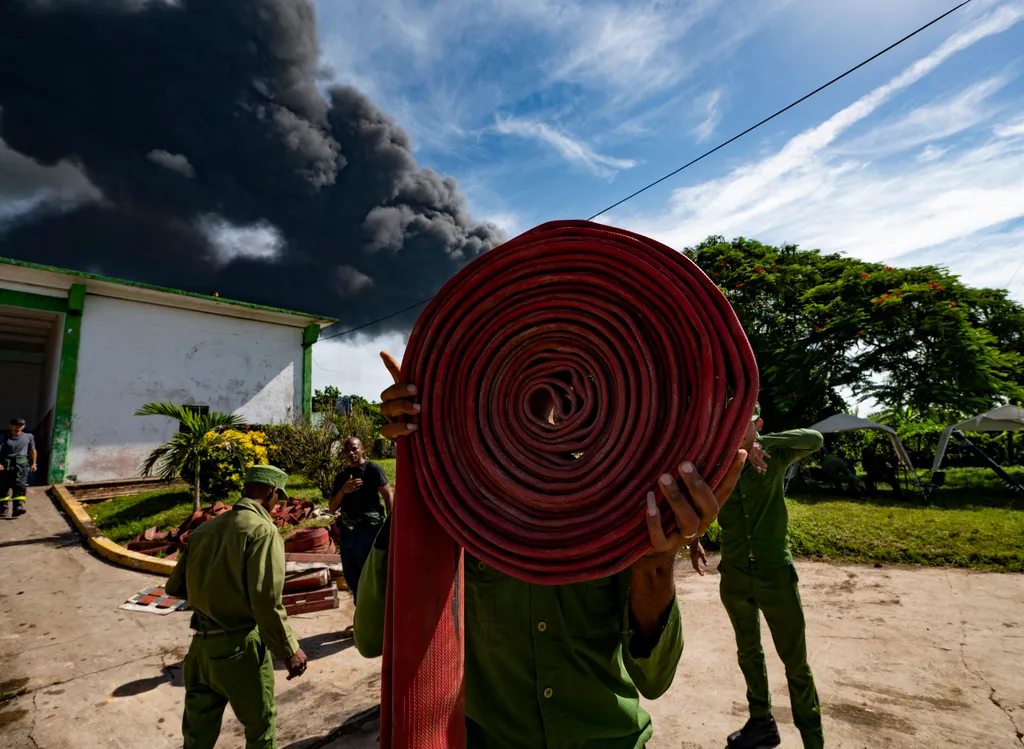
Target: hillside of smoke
(188, 144)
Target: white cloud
(1012, 129)
(571, 149)
(261, 240)
(352, 363)
(932, 153)
(176, 162)
(813, 192)
(713, 115)
(25, 182)
(932, 122)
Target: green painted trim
(27, 300)
(310, 334)
(22, 357)
(150, 287)
(66, 379)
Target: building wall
(132, 353)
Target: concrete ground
(903, 658)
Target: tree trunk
(195, 498)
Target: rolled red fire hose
(648, 366)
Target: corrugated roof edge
(150, 287)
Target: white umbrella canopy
(849, 422)
(1002, 419)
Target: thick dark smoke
(182, 116)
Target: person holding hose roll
(757, 576)
(560, 666)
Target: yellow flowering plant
(231, 453)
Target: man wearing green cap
(232, 573)
(757, 576)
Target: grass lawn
(972, 522)
(123, 518)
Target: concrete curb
(104, 546)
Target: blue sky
(545, 110)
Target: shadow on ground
(366, 721)
(322, 646)
(173, 675)
(63, 540)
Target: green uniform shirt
(546, 666)
(755, 524)
(232, 573)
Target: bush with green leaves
(183, 454)
(314, 448)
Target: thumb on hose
(393, 366)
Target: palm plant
(183, 453)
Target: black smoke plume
(162, 119)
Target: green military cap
(270, 476)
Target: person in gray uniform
(17, 459)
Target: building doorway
(30, 342)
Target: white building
(79, 354)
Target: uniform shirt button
(541, 626)
(547, 693)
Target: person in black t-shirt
(362, 493)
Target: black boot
(3, 508)
(19, 508)
(758, 733)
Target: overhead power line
(703, 156)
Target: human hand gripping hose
(648, 366)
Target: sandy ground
(902, 657)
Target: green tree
(314, 449)
(904, 336)
(183, 454)
(325, 401)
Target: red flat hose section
(649, 366)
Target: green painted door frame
(71, 308)
(310, 335)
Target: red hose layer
(648, 366)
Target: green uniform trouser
(747, 591)
(234, 668)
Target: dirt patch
(12, 716)
(859, 715)
(905, 699)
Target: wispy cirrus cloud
(711, 102)
(878, 195)
(573, 150)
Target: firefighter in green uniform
(17, 459)
(757, 576)
(232, 573)
(559, 666)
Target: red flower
(952, 304)
(759, 271)
(889, 267)
(865, 276)
(860, 332)
(739, 286)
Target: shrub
(313, 448)
(231, 454)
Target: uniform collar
(252, 505)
